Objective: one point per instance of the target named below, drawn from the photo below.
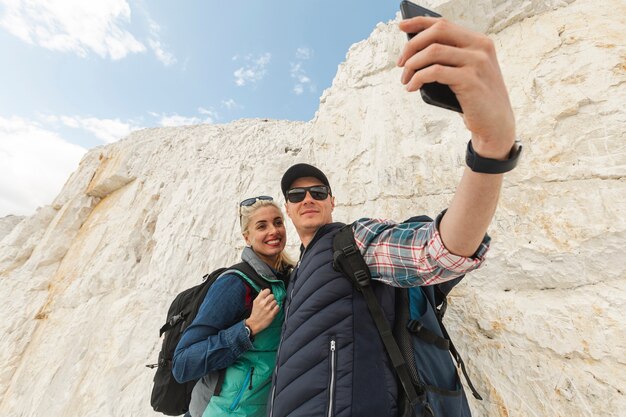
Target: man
(331, 361)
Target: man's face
(309, 214)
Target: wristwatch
(492, 166)
(248, 331)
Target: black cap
(298, 171)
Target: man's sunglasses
(250, 201)
(318, 192)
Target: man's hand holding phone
(466, 61)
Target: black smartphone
(432, 93)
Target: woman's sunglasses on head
(318, 192)
(250, 201)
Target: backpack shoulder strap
(250, 276)
(348, 259)
(202, 288)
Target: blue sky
(78, 74)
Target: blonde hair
(245, 212)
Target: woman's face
(266, 234)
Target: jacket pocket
(247, 384)
(332, 376)
(442, 403)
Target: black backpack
(168, 396)
(419, 349)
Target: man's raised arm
(466, 61)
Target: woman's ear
(245, 237)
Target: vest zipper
(272, 402)
(246, 381)
(331, 385)
(251, 374)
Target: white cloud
(162, 55)
(76, 26)
(70, 121)
(253, 71)
(107, 130)
(34, 165)
(302, 79)
(303, 53)
(231, 104)
(211, 115)
(178, 120)
(165, 57)
(49, 118)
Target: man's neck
(307, 237)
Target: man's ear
(287, 210)
(332, 202)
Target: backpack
(168, 396)
(419, 348)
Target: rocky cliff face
(85, 283)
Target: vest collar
(328, 227)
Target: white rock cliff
(85, 283)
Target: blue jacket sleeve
(216, 337)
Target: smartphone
(432, 93)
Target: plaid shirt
(411, 254)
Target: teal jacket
(217, 340)
(247, 382)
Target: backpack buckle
(415, 326)
(349, 250)
(361, 278)
(175, 319)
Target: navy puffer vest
(331, 360)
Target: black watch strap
(492, 166)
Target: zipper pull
(251, 374)
(332, 345)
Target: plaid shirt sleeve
(411, 254)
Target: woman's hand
(264, 309)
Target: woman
(235, 329)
